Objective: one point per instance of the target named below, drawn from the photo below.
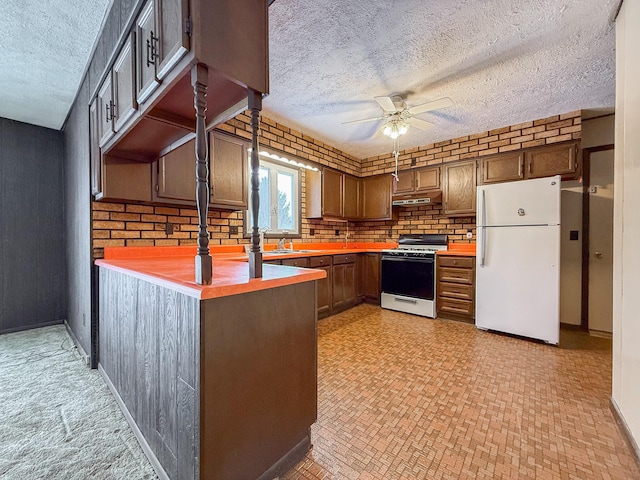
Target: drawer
(456, 275)
(296, 262)
(456, 290)
(460, 262)
(457, 307)
(347, 258)
(322, 261)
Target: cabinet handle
(114, 109)
(529, 168)
(107, 109)
(152, 53)
(520, 168)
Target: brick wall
(428, 219)
(120, 224)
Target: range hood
(434, 196)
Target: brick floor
(405, 397)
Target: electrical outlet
(168, 228)
(312, 232)
(337, 232)
(233, 229)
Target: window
(279, 199)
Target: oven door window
(411, 277)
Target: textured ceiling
(501, 61)
(44, 48)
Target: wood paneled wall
(149, 344)
(76, 182)
(32, 269)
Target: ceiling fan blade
(386, 103)
(363, 120)
(419, 124)
(435, 105)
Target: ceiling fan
(399, 117)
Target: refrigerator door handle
(484, 228)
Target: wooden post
(255, 256)
(204, 267)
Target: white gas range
(409, 274)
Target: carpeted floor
(58, 419)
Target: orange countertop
(174, 267)
(460, 250)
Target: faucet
(346, 236)
(262, 231)
(281, 244)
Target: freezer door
(530, 202)
(518, 281)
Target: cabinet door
(460, 188)
(338, 285)
(228, 172)
(146, 45)
(124, 97)
(371, 276)
(376, 197)
(428, 179)
(173, 19)
(94, 151)
(324, 290)
(351, 194)
(502, 168)
(553, 160)
(105, 108)
(350, 283)
(176, 174)
(406, 182)
(313, 187)
(332, 205)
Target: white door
(601, 242)
(530, 202)
(517, 289)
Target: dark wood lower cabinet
(456, 287)
(371, 277)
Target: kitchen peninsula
(218, 381)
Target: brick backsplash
(126, 224)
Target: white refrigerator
(518, 258)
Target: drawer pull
(405, 300)
(454, 310)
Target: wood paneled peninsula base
(217, 381)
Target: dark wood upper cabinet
(124, 96)
(332, 195)
(104, 108)
(228, 168)
(228, 39)
(417, 180)
(351, 197)
(459, 188)
(428, 178)
(406, 183)
(560, 159)
(173, 28)
(376, 197)
(175, 175)
(146, 44)
(506, 167)
(175, 178)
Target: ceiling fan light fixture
(395, 128)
